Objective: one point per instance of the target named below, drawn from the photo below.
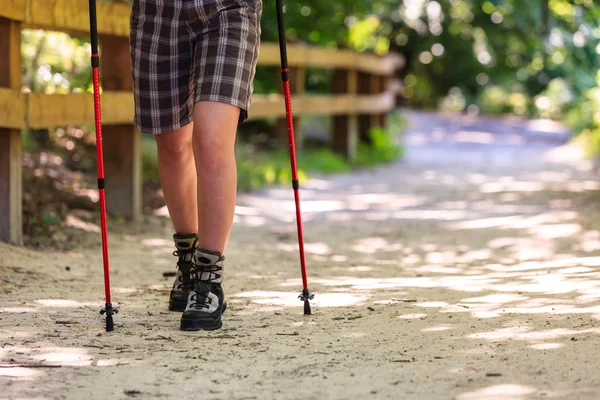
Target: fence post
(11, 185)
(297, 87)
(122, 143)
(385, 86)
(384, 82)
(367, 84)
(345, 127)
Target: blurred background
(524, 60)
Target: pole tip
(307, 310)
(109, 324)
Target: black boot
(186, 244)
(206, 301)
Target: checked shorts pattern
(185, 51)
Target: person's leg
(177, 171)
(162, 59)
(226, 55)
(215, 126)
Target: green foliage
(531, 58)
(363, 36)
(27, 141)
(585, 118)
(263, 169)
(555, 98)
(591, 138)
(55, 62)
(50, 219)
(323, 161)
(381, 149)
(492, 100)
(258, 169)
(149, 160)
(491, 49)
(471, 45)
(323, 23)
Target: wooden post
(367, 84)
(11, 185)
(122, 143)
(383, 87)
(345, 127)
(297, 87)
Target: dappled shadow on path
(433, 279)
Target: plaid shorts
(185, 51)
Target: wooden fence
(363, 92)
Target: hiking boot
(206, 301)
(186, 244)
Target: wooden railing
(363, 92)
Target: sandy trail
(466, 272)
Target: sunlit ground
(470, 276)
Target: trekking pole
(108, 308)
(306, 295)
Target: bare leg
(215, 126)
(178, 178)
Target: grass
(149, 160)
(27, 141)
(258, 168)
(382, 149)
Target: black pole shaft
(93, 27)
(282, 45)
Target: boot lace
(185, 283)
(199, 296)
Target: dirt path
(467, 272)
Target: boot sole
(192, 325)
(195, 325)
